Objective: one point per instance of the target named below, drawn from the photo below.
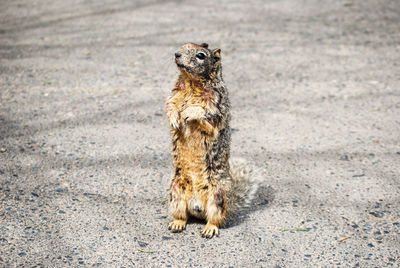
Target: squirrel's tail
(246, 179)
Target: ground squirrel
(205, 184)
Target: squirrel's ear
(205, 45)
(217, 53)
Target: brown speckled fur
(199, 115)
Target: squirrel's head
(198, 61)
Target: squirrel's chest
(204, 98)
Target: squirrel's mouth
(183, 68)
(180, 65)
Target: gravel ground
(85, 149)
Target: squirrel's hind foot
(177, 226)
(210, 230)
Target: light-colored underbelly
(191, 155)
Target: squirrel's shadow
(264, 197)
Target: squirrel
(206, 184)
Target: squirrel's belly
(191, 154)
(191, 148)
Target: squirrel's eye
(201, 56)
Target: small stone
(142, 244)
(378, 214)
(60, 190)
(3, 150)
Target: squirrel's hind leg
(178, 206)
(217, 212)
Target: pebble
(142, 244)
(378, 214)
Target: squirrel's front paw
(177, 226)
(173, 115)
(174, 120)
(193, 113)
(210, 230)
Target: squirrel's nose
(177, 55)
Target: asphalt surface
(85, 149)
